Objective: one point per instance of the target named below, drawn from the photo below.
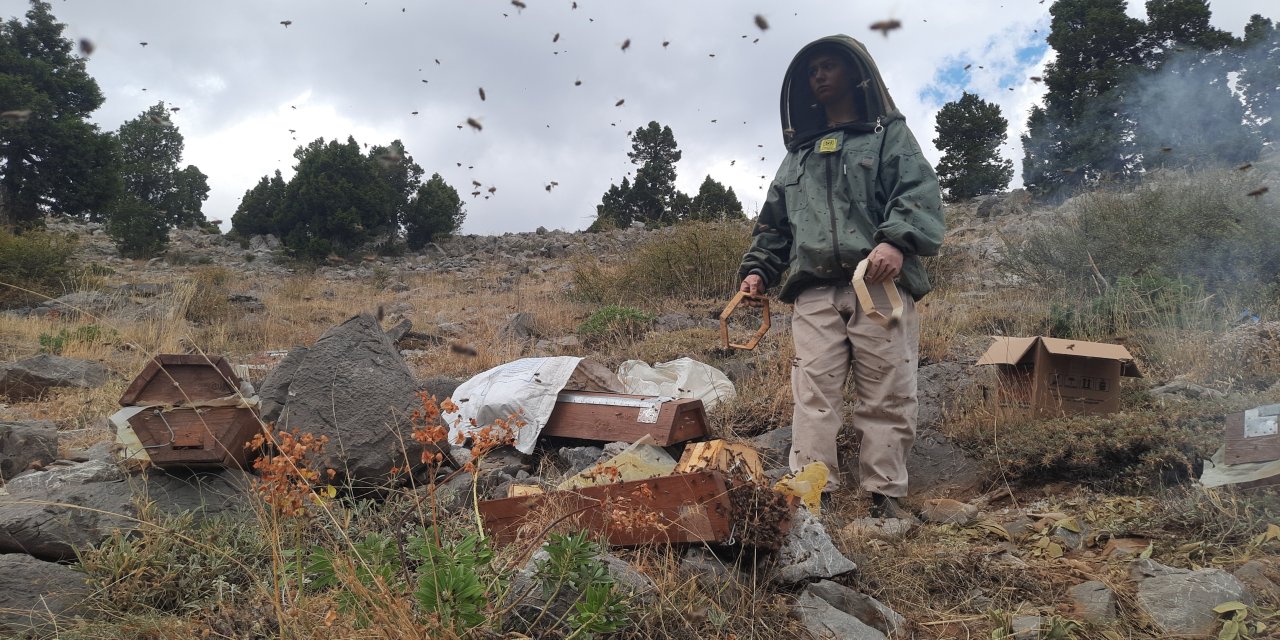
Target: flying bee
(86, 46)
(1037, 79)
(619, 103)
(1245, 167)
(493, 190)
(577, 83)
(555, 38)
(481, 94)
(761, 22)
(474, 124)
(1257, 192)
(665, 43)
(626, 44)
(475, 183)
(286, 23)
(885, 26)
(518, 4)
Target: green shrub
(1200, 226)
(139, 229)
(615, 321)
(55, 343)
(172, 564)
(34, 265)
(688, 261)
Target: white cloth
(525, 388)
(680, 378)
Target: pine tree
(1259, 78)
(259, 209)
(51, 158)
(970, 132)
(714, 202)
(1184, 110)
(435, 212)
(650, 197)
(1082, 126)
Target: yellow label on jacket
(828, 145)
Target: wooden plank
(678, 421)
(174, 379)
(1240, 449)
(186, 438)
(732, 458)
(522, 490)
(693, 507)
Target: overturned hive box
(702, 507)
(620, 417)
(192, 413)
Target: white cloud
(354, 68)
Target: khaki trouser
(831, 334)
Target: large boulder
(30, 378)
(26, 444)
(34, 594)
(866, 609)
(48, 514)
(826, 622)
(936, 466)
(352, 386)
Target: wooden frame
(677, 421)
(692, 507)
(728, 311)
(176, 379)
(197, 438)
(868, 304)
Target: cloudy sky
(412, 69)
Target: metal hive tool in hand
(728, 311)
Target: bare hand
(884, 263)
(754, 285)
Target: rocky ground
(988, 557)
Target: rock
(808, 552)
(352, 386)
(1093, 602)
(700, 564)
(1254, 575)
(519, 328)
(866, 609)
(947, 511)
(87, 303)
(275, 388)
(774, 447)
(247, 303)
(936, 466)
(680, 322)
(440, 387)
(829, 623)
(451, 328)
(398, 331)
(528, 602)
(505, 460)
(49, 513)
(1072, 540)
(30, 378)
(1181, 601)
(34, 594)
(25, 443)
(1026, 627)
(1184, 389)
(579, 458)
(886, 529)
(942, 388)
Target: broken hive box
(619, 417)
(193, 416)
(1053, 376)
(729, 457)
(692, 507)
(1253, 435)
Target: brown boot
(883, 506)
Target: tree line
(53, 161)
(1124, 96)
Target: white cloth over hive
(525, 388)
(680, 378)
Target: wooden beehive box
(1253, 435)
(181, 427)
(618, 417)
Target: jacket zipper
(831, 209)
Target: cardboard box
(1052, 376)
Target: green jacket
(842, 191)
